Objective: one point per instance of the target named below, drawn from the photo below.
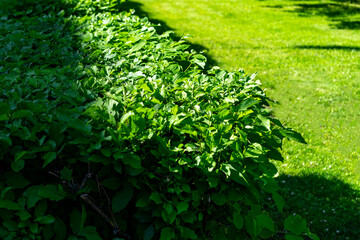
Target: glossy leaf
(167, 233)
(48, 158)
(149, 233)
(51, 192)
(10, 205)
(122, 198)
(295, 224)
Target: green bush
(109, 130)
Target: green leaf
(182, 207)
(95, 54)
(279, 201)
(167, 233)
(59, 229)
(266, 222)
(4, 108)
(126, 116)
(200, 63)
(10, 225)
(41, 208)
(10, 205)
(65, 115)
(48, 219)
(275, 154)
(132, 160)
(66, 174)
(4, 117)
(106, 152)
(295, 224)
(20, 155)
(213, 181)
(312, 236)
(156, 197)
(5, 138)
(81, 126)
(129, 159)
(51, 192)
(73, 238)
(138, 46)
(200, 60)
(21, 114)
(98, 158)
(168, 214)
(293, 237)
(295, 136)
(48, 232)
(90, 233)
(24, 215)
(87, 37)
(265, 121)
(149, 233)
(112, 183)
(168, 207)
(251, 226)
(31, 193)
(134, 171)
(234, 174)
(18, 165)
(83, 216)
(122, 198)
(219, 198)
(218, 233)
(34, 228)
(247, 103)
(17, 181)
(238, 220)
(49, 157)
(188, 217)
(75, 221)
(142, 202)
(187, 233)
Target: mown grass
(307, 56)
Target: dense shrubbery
(110, 130)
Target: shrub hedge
(109, 130)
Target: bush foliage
(109, 130)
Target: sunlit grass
(307, 54)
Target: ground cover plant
(109, 130)
(307, 56)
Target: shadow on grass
(331, 207)
(163, 27)
(341, 13)
(345, 24)
(331, 10)
(329, 47)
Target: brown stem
(117, 231)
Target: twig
(75, 187)
(117, 231)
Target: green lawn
(307, 54)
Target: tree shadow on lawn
(345, 24)
(331, 207)
(340, 13)
(329, 47)
(163, 27)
